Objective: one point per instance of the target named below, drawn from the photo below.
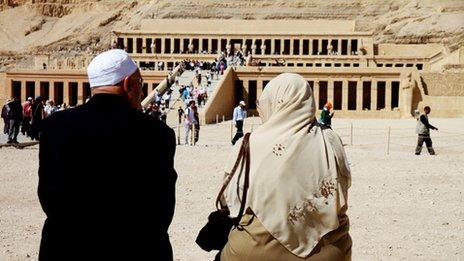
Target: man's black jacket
(106, 183)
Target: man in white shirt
(239, 116)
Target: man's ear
(126, 84)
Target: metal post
(178, 134)
(388, 140)
(351, 134)
(231, 130)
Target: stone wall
(443, 84)
(222, 100)
(3, 91)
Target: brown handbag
(214, 235)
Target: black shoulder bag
(214, 235)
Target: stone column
(259, 89)
(51, 91)
(272, 46)
(66, 92)
(316, 92)
(144, 45)
(359, 95)
(125, 43)
(330, 91)
(37, 89)
(388, 95)
(319, 46)
(229, 47)
(349, 47)
(310, 46)
(345, 95)
(134, 44)
(373, 95)
(339, 47)
(163, 46)
(291, 46)
(200, 45)
(23, 91)
(246, 91)
(301, 47)
(80, 92)
(210, 45)
(172, 45)
(253, 46)
(181, 45)
(263, 50)
(282, 46)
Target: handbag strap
(246, 161)
(244, 149)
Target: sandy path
(402, 206)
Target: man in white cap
(239, 116)
(97, 185)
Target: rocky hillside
(69, 27)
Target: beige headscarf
(298, 179)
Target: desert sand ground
(402, 206)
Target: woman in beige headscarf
(299, 178)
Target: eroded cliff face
(67, 27)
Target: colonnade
(71, 92)
(346, 94)
(256, 45)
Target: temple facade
(280, 43)
(360, 77)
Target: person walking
(106, 193)
(189, 121)
(239, 116)
(296, 198)
(15, 115)
(6, 120)
(180, 114)
(326, 115)
(423, 131)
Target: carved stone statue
(114, 43)
(244, 48)
(190, 47)
(153, 46)
(253, 49)
(407, 87)
(263, 48)
(228, 48)
(249, 60)
(329, 48)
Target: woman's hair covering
(299, 177)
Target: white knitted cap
(110, 68)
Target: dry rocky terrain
(70, 27)
(401, 206)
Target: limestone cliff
(70, 27)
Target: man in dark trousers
(97, 185)
(15, 115)
(423, 130)
(239, 116)
(6, 120)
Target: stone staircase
(185, 79)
